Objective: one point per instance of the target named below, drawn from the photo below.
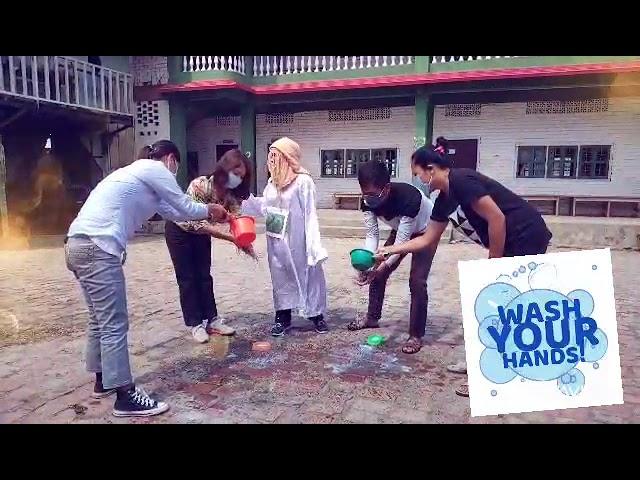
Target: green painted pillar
(174, 67)
(178, 134)
(424, 126)
(423, 64)
(248, 67)
(424, 120)
(248, 138)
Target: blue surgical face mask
(233, 180)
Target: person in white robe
(294, 248)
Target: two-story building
(559, 130)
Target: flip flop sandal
(411, 347)
(360, 324)
(463, 390)
(460, 367)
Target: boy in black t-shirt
(406, 210)
(478, 206)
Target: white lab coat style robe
(296, 260)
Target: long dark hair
(220, 175)
(159, 149)
(432, 155)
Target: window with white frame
(531, 162)
(566, 161)
(594, 161)
(562, 162)
(343, 163)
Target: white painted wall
(155, 129)
(501, 127)
(149, 70)
(204, 135)
(313, 131)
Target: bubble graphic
(522, 269)
(492, 368)
(493, 393)
(596, 365)
(491, 297)
(594, 267)
(483, 330)
(571, 383)
(593, 353)
(532, 265)
(545, 276)
(586, 301)
(514, 274)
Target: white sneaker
(220, 327)
(200, 334)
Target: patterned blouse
(202, 190)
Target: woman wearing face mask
(95, 250)
(189, 244)
(479, 207)
(406, 210)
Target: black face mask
(375, 201)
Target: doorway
(464, 153)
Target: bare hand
(382, 253)
(362, 278)
(218, 213)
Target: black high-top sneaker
(100, 392)
(135, 402)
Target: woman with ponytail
(95, 251)
(479, 207)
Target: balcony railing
(213, 63)
(457, 59)
(67, 81)
(292, 65)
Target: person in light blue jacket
(95, 251)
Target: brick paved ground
(305, 378)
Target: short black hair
(373, 173)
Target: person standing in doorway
(481, 208)
(189, 244)
(95, 251)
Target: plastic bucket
(243, 230)
(362, 259)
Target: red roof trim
(407, 80)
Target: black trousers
(420, 267)
(532, 246)
(191, 257)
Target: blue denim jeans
(102, 280)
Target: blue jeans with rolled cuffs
(102, 281)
